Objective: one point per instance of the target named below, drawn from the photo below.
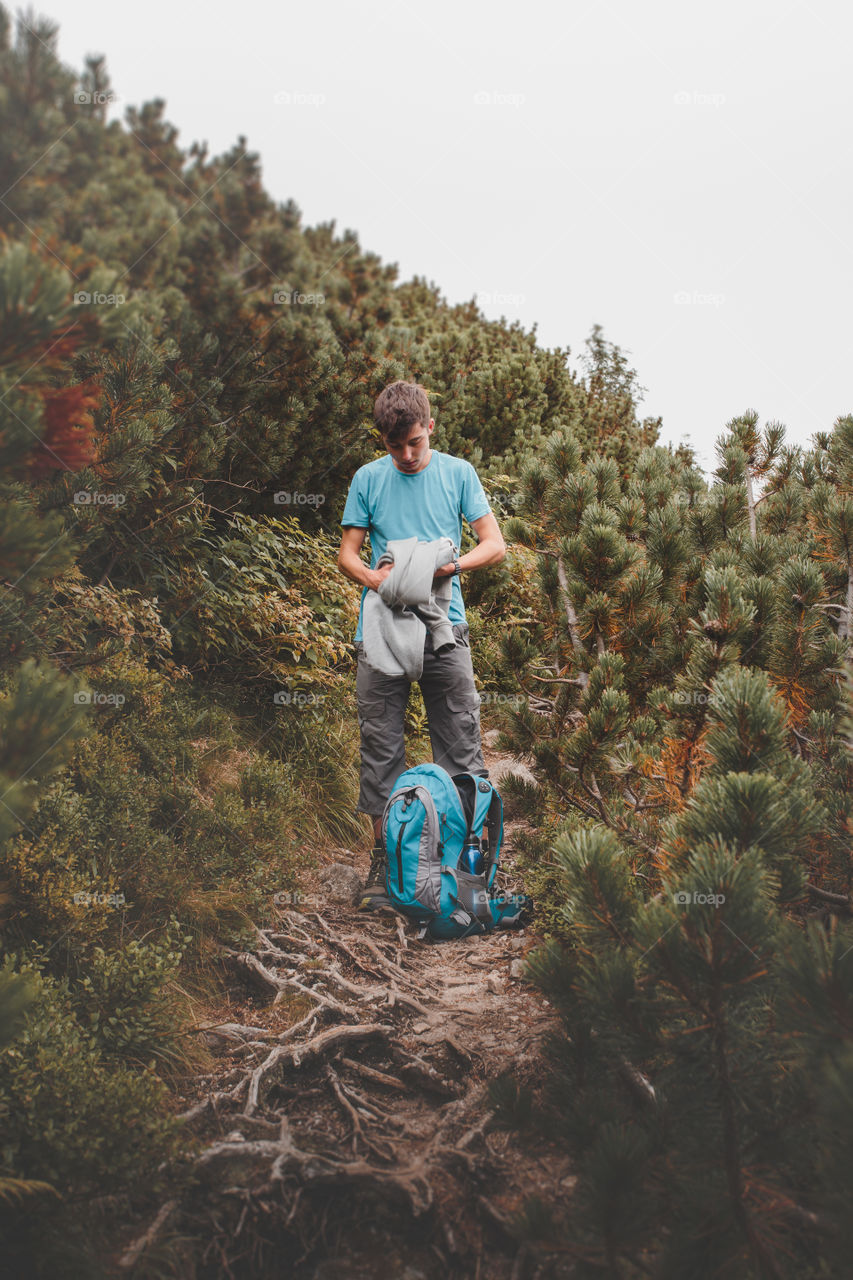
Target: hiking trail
(346, 1130)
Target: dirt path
(346, 1130)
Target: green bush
(69, 1115)
(174, 799)
(262, 602)
(128, 1001)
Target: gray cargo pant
(453, 711)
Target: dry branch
(133, 1252)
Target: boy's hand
(378, 576)
(445, 571)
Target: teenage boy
(415, 491)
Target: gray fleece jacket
(396, 617)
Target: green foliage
(262, 603)
(39, 722)
(125, 999)
(168, 801)
(70, 1118)
(691, 752)
(511, 1102)
(603, 905)
(16, 995)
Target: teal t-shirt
(428, 504)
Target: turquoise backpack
(425, 825)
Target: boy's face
(412, 452)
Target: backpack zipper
(399, 852)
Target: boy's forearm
(352, 565)
(489, 551)
(354, 568)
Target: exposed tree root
(378, 1090)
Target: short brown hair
(399, 407)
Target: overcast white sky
(679, 174)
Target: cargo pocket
(463, 713)
(466, 701)
(371, 709)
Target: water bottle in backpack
(472, 857)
